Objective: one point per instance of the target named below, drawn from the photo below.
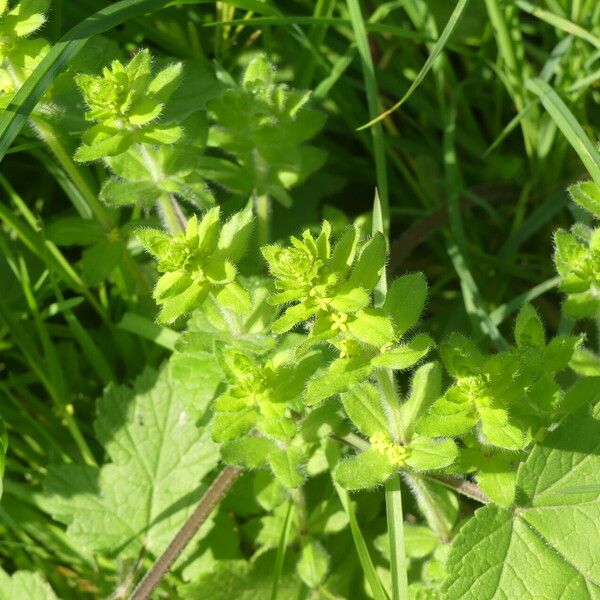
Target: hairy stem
(393, 492)
(462, 486)
(215, 493)
(262, 209)
(428, 505)
(51, 139)
(171, 213)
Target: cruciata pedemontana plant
(259, 417)
(577, 256)
(293, 363)
(19, 55)
(264, 125)
(308, 356)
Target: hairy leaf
(538, 549)
(24, 585)
(157, 461)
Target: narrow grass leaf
(361, 547)
(559, 22)
(281, 548)
(364, 51)
(568, 124)
(143, 327)
(437, 49)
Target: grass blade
(256, 6)
(558, 22)
(570, 127)
(145, 328)
(512, 124)
(395, 524)
(540, 217)
(510, 49)
(508, 308)
(437, 49)
(361, 547)
(61, 54)
(364, 51)
(472, 299)
(281, 548)
(393, 491)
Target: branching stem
(215, 493)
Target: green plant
(577, 257)
(223, 374)
(19, 56)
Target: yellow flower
(338, 321)
(395, 453)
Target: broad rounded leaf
(25, 585)
(427, 454)
(370, 264)
(235, 234)
(231, 426)
(529, 330)
(234, 297)
(157, 456)
(460, 356)
(313, 565)
(363, 471)
(287, 466)
(406, 355)
(548, 546)
(372, 326)
(587, 195)
(343, 373)
(425, 389)
(405, 300)
(362, 404)
(250, 452)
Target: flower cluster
(126, 102)
(199, 261)
(395, 453)
(322, 281)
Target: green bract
(265, 125)
(199, 261)
(256, 416)
(333, 284)
(508, 396)
(126, 103)
(577, 257)
(19, 55)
